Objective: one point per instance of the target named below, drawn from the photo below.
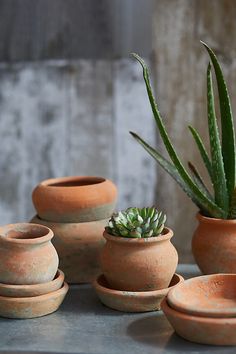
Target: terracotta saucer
(129, 301)
(204, 330)
(32, 290)
(30, 307)
(208, 296)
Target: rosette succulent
(137, 223)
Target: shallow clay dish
(204, 330)
(75, 199)
(30, 307)
(129, 301)
(32, 290)
(208, 296)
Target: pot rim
(53, 182)
(163, 237)
(25, 241)
(210, 220)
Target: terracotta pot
(130, 301)
(214, 245)
(33, 290)
(79, 246)
(207, 296)
(27, 254)
(75, 199)
(31, 307)
(204, 330)
(139, 264)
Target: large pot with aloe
(214, 241)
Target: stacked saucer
(203, 309)
(31, 285)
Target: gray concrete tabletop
(83, 325)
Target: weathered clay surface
(27, 254)
(79, 246)
(33, 290)
(214, 245)
(129, 301)
(139, 264)
(205, 330)
(75, 199)
(30, 307)
(208, 296)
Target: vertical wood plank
(135, 170)
(91, 127)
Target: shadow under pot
(139, 264)
(27, 254)
(75, 199)
(214, 245)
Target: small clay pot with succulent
(138, 254)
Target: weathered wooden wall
(69, 95)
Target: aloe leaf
(227, 125)
(198, 180)
(202, 150)
(205, 202)
(173, 172)
(218, 173)
(232, 214)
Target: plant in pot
(214, 241)
(138, 254)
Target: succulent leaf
(137, 223)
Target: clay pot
(33, 290)
(27, 254)
(139, 264)
(204, 330)
(208, 296)
(214, 245)
(79, 246)
(129, 301)
(31, 307)
(75, 199)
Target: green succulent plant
(137, 223)
(220, 164)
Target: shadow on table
(154, 330)
(83, 299)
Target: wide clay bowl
(129, 301)
(79, 246)
(75, 199)
(204, 330)
(207, 296)
(30, 307)
(33, 290)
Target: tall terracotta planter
(27, 255)
(142, 264)
(77, 210)
(214, 245)
(78, 246)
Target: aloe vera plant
(220, 163)
(137, 223)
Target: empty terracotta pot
(214, 245)
(75, 199)
(79, 246)
(27, 254)
(139, 264)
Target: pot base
(130, 301)
(31, 307)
